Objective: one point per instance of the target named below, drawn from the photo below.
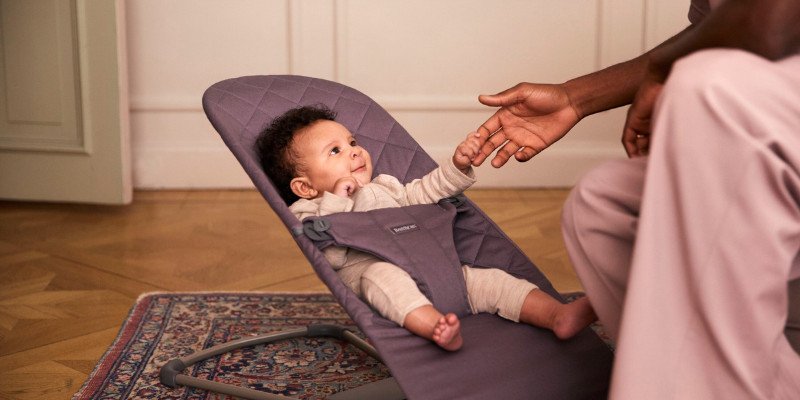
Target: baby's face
(328, 153)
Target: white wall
(425, 61)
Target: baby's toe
(451, 319)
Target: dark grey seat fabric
(500, 359)
(418, 239)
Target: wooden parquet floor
(70, 273)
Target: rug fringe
(223, 293)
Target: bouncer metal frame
(171, 375)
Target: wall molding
(166, 104)
(663, 19)
(312, 49)
(621, 35)
(431, 103)
(193, 168)
(216, 168)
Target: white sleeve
(445, 181)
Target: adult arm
(614, 86)
(768, 28)
(534, 116)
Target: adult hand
(532, 117)
(636, 135)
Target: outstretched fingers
(486, 132)
(517, 137)
(490, 145)
(511, 148)
(504, 153)
(525, 154)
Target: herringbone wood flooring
(69, 274)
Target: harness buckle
(457, 200)
(315, 230)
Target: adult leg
(598, 223)
(718, 236)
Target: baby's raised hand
(467, 151)
(345, 187)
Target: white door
(63, 101)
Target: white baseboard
(216, 168)
(204, 168)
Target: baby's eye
(353, 143)
(334, 150)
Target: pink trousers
(686, 254)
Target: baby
(320, 169)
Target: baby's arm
(450, 179)
(330, 203)
(345, 187)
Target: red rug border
(132, 322)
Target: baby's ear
(301, 186)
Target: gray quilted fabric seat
(500, 359)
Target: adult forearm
(611, 87)
(769, 28)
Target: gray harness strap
(418, 239)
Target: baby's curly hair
(274, 146)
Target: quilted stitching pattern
(240, 108)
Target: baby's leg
(566, 320)
(351, 276)
(444, 330)
(395, 295)
(495, 291)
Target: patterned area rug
(165, 326)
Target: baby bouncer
(499, 360)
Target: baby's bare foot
(447, 333)
(572, 318)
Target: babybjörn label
(399, 230)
